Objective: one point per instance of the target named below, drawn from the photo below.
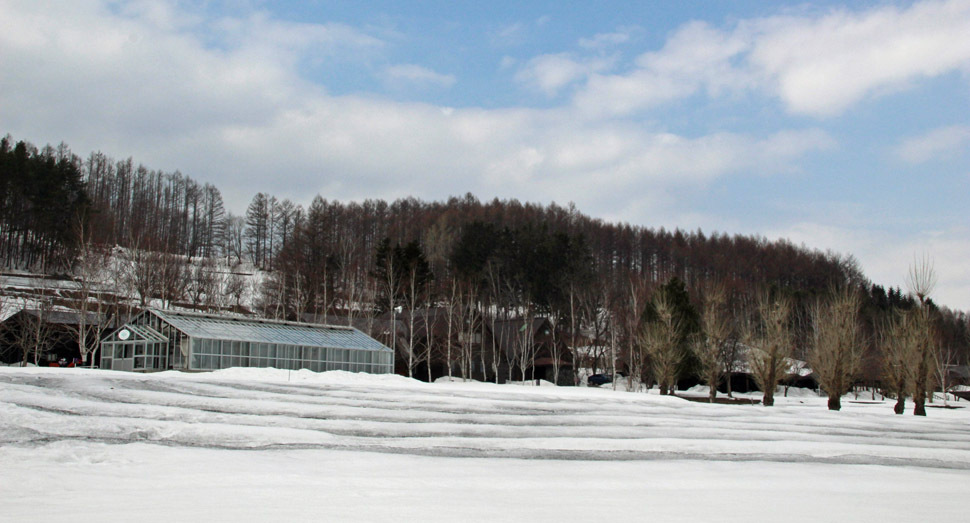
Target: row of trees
(40, 192)
(624, 292)
(903, 345)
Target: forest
(660, 305)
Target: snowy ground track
(394, 415)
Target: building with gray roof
(159, 340)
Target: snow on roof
(63, 317)
(268, 331)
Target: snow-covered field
(267, 445)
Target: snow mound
(332, 377)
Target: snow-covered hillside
(262, 444)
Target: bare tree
(632, 312)
(232, 288)
(946, 359)
(138, 280)
(733, 360)
(468, 319)
(921, 356)
(351, 275)
(173, 276)
(921, 280)
(202, 284)
(897, 358)
(769, 345)
(91, 273)
(413, 288)
(300, 296)
(235, 240)
(35, 335)
(494, 281)
(709, 346)
(836, 354)
(431, 318)
(597, 321)
(614, 333)
(557, 350)
(524, 345)
(452, 321)
(661, 339)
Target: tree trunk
(769, 398)
(900, 404)
(920, 408)
(919, 396)
(835, 403)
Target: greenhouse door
(124, 357)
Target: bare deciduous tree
(769, 345)
(837, 349)
(468, 322)
(203, 283)
(709, 346)
(660, 339)
(92, 270)
(921, 356)
(921, 280)
(897, 358)
(632, 312)
(35, 335)
(232, 288)
(946, 359)
(452, 314)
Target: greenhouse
(160, 340)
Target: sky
(839, 126)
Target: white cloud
(264, 35)
(238, 113)
(943, 142)
(416, 74)
(886, 256)
(696, 56)
(607, 40)
(550, 73)
(822, 66)
(818, 66)
(508, 35)
(239, 116)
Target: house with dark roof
(51, 336)
(533, 351)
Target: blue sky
(843, 126)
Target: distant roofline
(211, 316)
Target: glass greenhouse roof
(136, 333)
(266, 331)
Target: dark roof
(372, 326)
(506, 329)
(61, 317)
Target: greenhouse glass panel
(212, 342)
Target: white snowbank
(268, 444)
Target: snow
(267, 444)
